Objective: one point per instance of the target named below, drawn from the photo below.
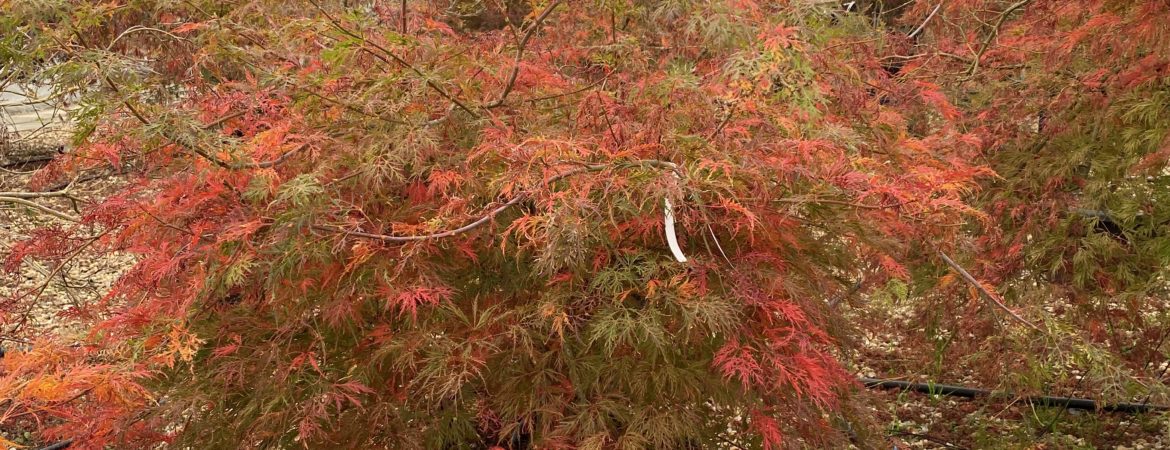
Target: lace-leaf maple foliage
(357, 225)
(1070, 99)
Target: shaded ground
(922, 421)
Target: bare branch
(222, 120)
(927, 20)
(983, 290)
(34, 194)
(139, 28)
(46, 210)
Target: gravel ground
(922, 421)
(32, 133)
(82, 279)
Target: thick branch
(23, 163)
(402, 27)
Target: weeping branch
(490, 215)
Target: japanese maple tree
(553, 224)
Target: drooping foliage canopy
(449, 224)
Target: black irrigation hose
(1038, 400)
(60, 445)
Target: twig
(351, 107)
(62, 402)
(222, 120)
(392, 56)
(729, 442)
(843, 44)
(723, 123)
(843, 295)
(983, 290)
(88, 177)
(993, 34)
(70, 256)
(924, 22)
(231, 165)
(463, 229)
(163, 222)
(566, 94)
(520, 53)
(718, 245)
(138, 28)
(801, 201)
